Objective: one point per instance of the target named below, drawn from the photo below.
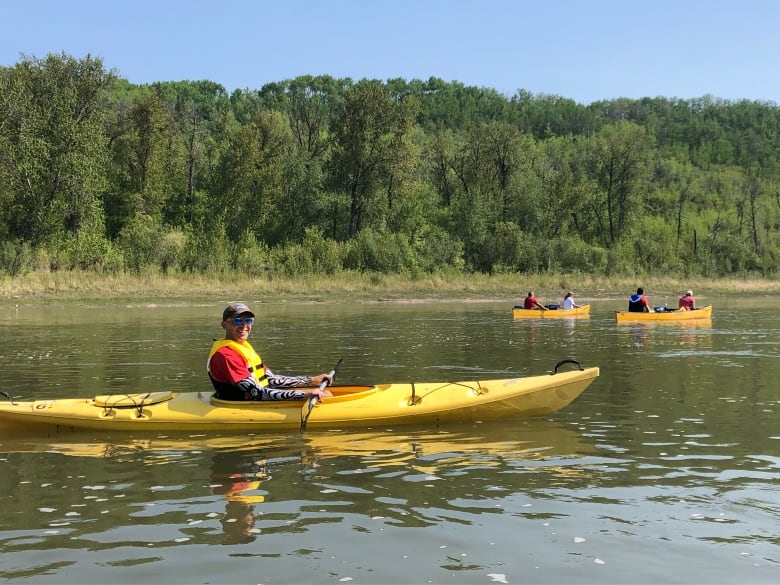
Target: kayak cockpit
(340, 394)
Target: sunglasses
(239, 321)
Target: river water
(666, 470)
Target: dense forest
(322, 175)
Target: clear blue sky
(586, 50)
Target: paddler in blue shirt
(637, 303)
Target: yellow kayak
(350, 406)
(679, 315)
(521, 313)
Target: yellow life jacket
(253, 361)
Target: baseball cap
(689, 293)
(236, 308)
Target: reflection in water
(515, 484)
(372, 473)
(237, 477)
(689, 333)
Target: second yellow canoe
(679, 315)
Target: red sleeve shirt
(687, 302)
(227, 366)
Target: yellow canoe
(350, 406)
(521, 313)
(679, 315)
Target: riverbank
(74, 287)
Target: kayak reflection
(510, 440)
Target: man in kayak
(638, 303)
(687, 301)
(238, 373)
(531, 302)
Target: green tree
(53, 155)
(618, 163)
(560, 201)
(250, 178)
(490, 162)
(371, 152)
(144, 168)
(201, 115)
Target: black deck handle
(562, 362)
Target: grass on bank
(71, 286)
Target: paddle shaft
(313, 400)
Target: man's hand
(317, 380)
(321, 393)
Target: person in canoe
(687, 301)
(238, 373)
(531, 302)
(568, 302)
(637, 303)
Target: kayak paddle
(308, 406)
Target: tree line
(320, 175)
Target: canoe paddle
(313, 400)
